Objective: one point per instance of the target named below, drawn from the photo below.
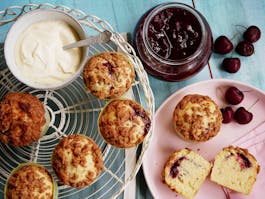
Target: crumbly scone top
(124, 123)
(77, 160)
(197, 118)
(30, 181)
(108, 75)
(22, 117)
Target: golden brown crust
(108, 75)
(30, 181)
(124, 123)
(77, 160)
(197, 118)
(22, 117)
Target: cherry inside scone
(236, 169)
(123, 123)
(30, 180)
(185, 171)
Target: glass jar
(174, 41)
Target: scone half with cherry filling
(77, 161)
(235, 168)
(123, 123)
(185, 171)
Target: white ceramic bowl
(25, 21)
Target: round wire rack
(73, 110)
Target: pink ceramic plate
(165, 141)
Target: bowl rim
(81, 33)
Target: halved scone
(235, 168)
(185, 171)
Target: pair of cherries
(223, 45)
(234, 96)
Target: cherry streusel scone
(22, 119)
(30, 180)
(235, 168)
(185, 171)
(197, 118)
(123, 123)
(77, 160)
(108, 75)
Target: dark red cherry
(245, 48)
(252, 34)
(242, 116)
(233, 95)
(228, 114)
(231, 65)
(223, 45)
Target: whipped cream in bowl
(34, 49)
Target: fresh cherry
(242, 116)
(231, 65)
(223, 45)
(245, 48)
(233, 95)
(252, 34)
(228, 114)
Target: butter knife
(102, 37)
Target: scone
(123, 123)
(236, 169)
(30, 180)
(185, 171)
(108, 75)
(22, 119)
(77, 160)
(197, 118)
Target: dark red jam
(143, 115)
(245, 163)
(174, 168)
(109, 66)
(173, 41)
(174, 33)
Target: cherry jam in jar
(174, 41)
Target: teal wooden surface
(224, 16)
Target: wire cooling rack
(73, 110)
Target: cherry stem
(241, 26)
(247, 91)
(235, 35)
(253, 104)
(227, 195)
